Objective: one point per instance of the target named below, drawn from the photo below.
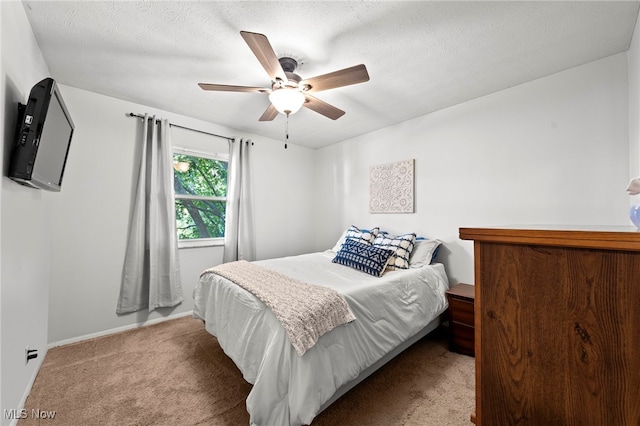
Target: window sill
(203, 242)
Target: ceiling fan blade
(322, 107)
(344, 77)
(229, 88)
(260, 46)
(270, 113)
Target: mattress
(289, 389)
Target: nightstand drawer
(462, 338)
(461, 311)
(461, 299)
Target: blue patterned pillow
(363, 235)
(402, 246)
(363, 257)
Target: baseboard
(117, 330)
(27, 391)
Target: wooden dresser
(557, 325)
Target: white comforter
(289, 389)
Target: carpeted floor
(175, 373)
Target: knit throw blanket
(306, 311)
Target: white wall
(552, 151)
(91, 213)
(285, 200)
(25, 222)
(634, 106)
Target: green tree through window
(200, 186)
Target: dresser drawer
(461, 311)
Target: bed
(391, 312)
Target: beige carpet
(175, 373)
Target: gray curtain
(151, 274)
(239, 230)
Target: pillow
(402, 245)
(424, 252)
(363, 235)
(363, 257)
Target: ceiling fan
(288, 91)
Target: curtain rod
(132, 114)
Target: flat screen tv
(44, 133)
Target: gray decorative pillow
(424, 252)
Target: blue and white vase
(634, 215)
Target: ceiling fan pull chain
(286, 132)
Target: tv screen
(43, 138)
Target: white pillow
(423, 252)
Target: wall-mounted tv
(43, 138)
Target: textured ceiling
(421, 56)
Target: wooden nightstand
(461, 325)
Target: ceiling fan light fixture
(287, 100)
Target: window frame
(218, 156)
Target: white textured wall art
(391, 187)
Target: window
(200, 184)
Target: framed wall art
(391, 187)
